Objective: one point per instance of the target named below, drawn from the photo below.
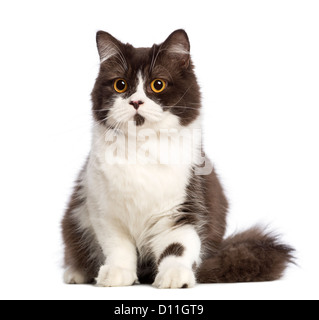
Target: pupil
(158, 85)
(120, 85)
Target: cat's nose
(136, 104)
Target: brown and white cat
(140, 213)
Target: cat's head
(151, 86)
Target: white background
(258, 66)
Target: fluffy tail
(251, 256)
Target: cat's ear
(107, 45)
(177, 46)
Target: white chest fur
(135, 193)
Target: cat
(138, 217)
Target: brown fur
(139, 120)
(175, 249)
(206, 208)
(253, 255)
(249, 256)
(182, 95)
(147, 269)
(82, 252)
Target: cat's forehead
(148, 62)
(142, 52)
(131, 61)
(128, 61)
(138, 56)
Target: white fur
(130, 205)
(175, 272)
(107, 52)
(174, 275)
(73, 277)
(122, 112)
(185, 235)
(178, 49)
(111, 276)
(109, 49)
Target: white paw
(115, 277)
(73, 277)
(175, 277)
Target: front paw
(115, 277)
(175, 277)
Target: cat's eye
(120, 85)
(158, 85)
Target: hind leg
(72, 276)
(83, 255)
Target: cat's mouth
(121, 114)
(139, 120)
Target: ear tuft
(178, 47)
(107, 45)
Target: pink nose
(136, 104)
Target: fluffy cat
(138, 213)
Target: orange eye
(158, 85)
(120, 85)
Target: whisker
(182, 107)
(152, 112)
(183, 95)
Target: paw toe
(175, 278)
(115, 277)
